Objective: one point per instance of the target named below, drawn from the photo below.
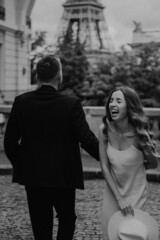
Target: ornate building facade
(15, 33)
(141, 37)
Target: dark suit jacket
(42, 139)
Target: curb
(6, 169)
(88, 173)
(95, 173)
(153, 177)
(92, 173)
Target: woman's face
(117, 106)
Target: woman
(126, 150)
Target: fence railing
(94, 117)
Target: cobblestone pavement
(15, 222)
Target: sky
(119, 16)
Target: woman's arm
(151, 158)
(125, 207)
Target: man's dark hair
(47, 68)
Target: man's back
(41, 141)
(51, 126)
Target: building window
(2, 10)
(75, 11)
(2, 13)
(85, 10)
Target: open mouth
(114, 112)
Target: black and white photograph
(79, 120)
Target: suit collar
(47, 88)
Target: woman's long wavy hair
(136, 116)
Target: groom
(41, 141)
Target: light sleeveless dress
(129, 175)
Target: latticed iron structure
(83, 21)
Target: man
(42, 140)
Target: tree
(148, 74)
(75, 66)
(37, 40)
(96, 87)
(140, 71)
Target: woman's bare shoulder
(101, 131)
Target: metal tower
(83, 21)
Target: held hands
(125, 207)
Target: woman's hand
(125, 207)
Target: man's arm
(86, 137)
(12, 134)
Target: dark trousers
(40, 203)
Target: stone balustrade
(94, 117)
